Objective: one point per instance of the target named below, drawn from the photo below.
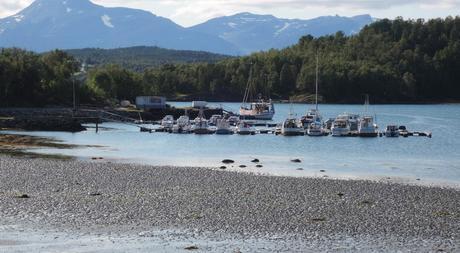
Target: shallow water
(411, 160)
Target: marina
(433, 161)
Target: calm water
(433, 161)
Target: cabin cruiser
(316, 129)
(340, 127)
(167, 122)
(392, 131)
(182, 125)
(260, 110)
(352, 119)
(223, 127)
(292, 127)
(367, 127)
(244, 128)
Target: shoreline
(75, 196)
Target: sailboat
(313, 120)
(367, 127)
(259, 109)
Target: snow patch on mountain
(107, 21)
(286, 26)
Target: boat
(223, 127)
(392, 131)
(233, 120)
(201, 124)
(182, 125)
(244, 128)
(260, 109)
(352, 119)
(367, 127)
(292, 127)
(316, 129)
(167, 122)
(214, 118)
(340, 127)
(313, 115)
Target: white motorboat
(182, 125)
(392, 131)
(233, 120)
(244, 128)
(367, 127)
(167, 122)
(292, 127)
(223, 127)
(352, 119)
(316, 129)
(213, 120)
(201, 124)
(340, 127)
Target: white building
(150, 102)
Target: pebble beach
(216, 210)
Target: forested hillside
(392, 61)
(141, 58)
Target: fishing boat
(340, 127)
(201, 124)
(182, 125)
(244, 128)
(367, 127)
(260, 109)
(223, 127)
(392, 131)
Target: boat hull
(224, 132)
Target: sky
(191, 12)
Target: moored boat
(244, 128)
(340, 127)
(201, 124)
(392, 131)
(182, 125)
(316, 129)
(223, 127)
(292, 127)
(367, 127)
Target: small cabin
(151, 102)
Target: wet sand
(129, 208)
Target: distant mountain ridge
(73, 24)
(251, 32)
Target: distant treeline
(141, 57)
(392, 61)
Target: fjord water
(410, 160)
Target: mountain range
(71, 24)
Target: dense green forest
(140, 58)
(392, 61)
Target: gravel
(80, 195)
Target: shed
(151, 102)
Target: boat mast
(317, 70)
